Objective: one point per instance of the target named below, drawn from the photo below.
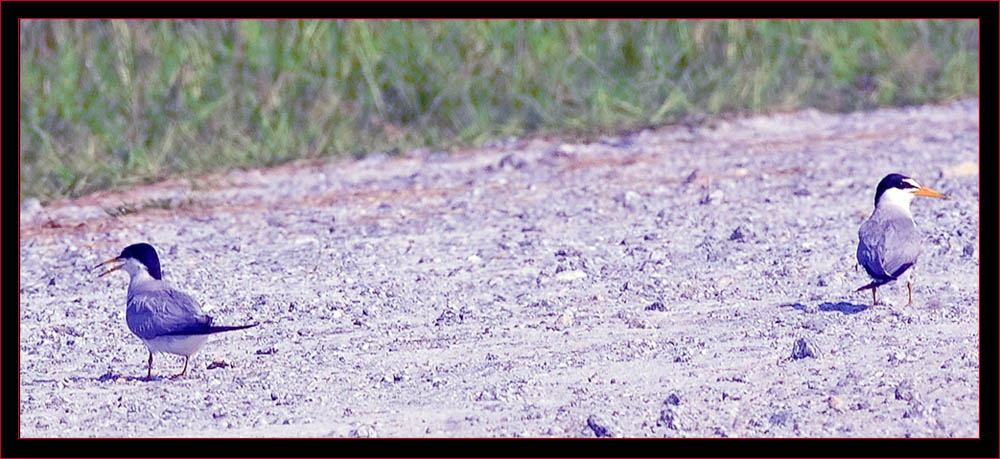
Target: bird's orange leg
(184, 371)
(909, 293)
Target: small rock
(802, 192)
(616, 142)
(779, 419)
(565, 319)
(564, 150)
(802, 349)
(364, 431)
(474, 259)
(815, 323)
(567, 276)
(690, 178)
(714, 197)
(629, 199)
(969, 250)
(656, 306)
(570, 252)
(448, 317)
(30, 206)
(738, 235)
(837, 403)
(218, 363)
(904, 390)
(915, 410)
(600, 426)
(510, 161)
(672, 399)
(965, 169)
(668, 418)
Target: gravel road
(692, 281)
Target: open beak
(113, 269)
(927, 192)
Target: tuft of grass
(128, 208)
(122, 102)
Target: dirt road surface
(696, 280)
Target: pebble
(714, 198)
(364, 431)
(565, 319)
(567, 276)
(600, 426)
(30, 207)
(961, 170)
(629, 199)
(668, 418)
(738, 235)
(217, 363)
(904, 390)
(815, 323)
(915, 410)
(779, 419)
(565, 149)
(510, 161)
(656, 306)
(802, 349)
(837, 403)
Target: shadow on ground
(843, 307)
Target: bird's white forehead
(912, 182)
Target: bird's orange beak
(113, 269)
(927, 192)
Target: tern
(164, 318)
(888, 242)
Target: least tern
(164, 318)
(888, 242)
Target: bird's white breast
(186, 345)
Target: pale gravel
(645, 285)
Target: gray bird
(888, 242)
(165, 319)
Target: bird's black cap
(146, 255)
(891, 181)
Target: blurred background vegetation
(116, 103)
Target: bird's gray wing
(901, 246)
(161, 312)
(870, 241)
(887, 246)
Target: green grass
(115, 103)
